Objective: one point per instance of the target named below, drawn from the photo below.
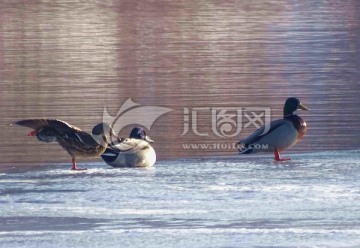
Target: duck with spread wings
(75, 141)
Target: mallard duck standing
(135, 151)
(71, 138)
(280, 135)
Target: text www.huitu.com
(209, 146)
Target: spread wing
(60, 126)
(48, 130)
(79, 139)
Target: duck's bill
(302, 107)
(148, 139)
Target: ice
(235, 201)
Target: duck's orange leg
(277, 156)
(74, 165)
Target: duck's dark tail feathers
(244, 148)
(109, 155)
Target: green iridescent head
(291, 105)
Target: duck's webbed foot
(278, 158)
(74, 167)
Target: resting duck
(72, 139)
(281, 135)
(135, 151)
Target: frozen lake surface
(312, 201)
